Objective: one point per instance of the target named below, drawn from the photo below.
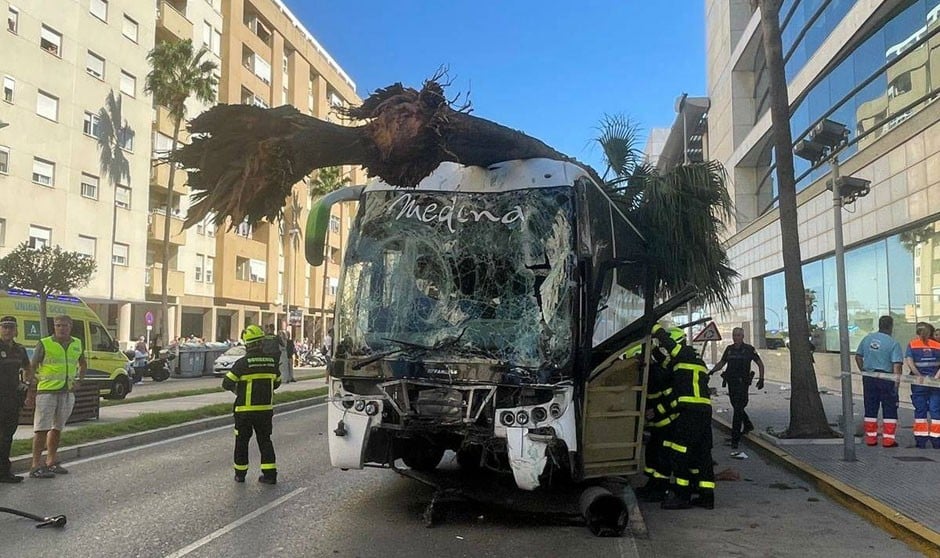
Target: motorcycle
(157, 369)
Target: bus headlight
(539, 414)
(522, 418)
(372, 408)
(507, 418)
(360, 405)
(555, 410)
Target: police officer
(690, 446)
(253, 379)
(13, 361)
(739, 356)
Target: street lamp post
(825, 142)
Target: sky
(549, 68)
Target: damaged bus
(483, 312)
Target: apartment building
(873, 66)
(222, 279)
(58, 68)
(61, 67)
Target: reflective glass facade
(898, 275)
(885, 79)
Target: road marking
(235, 524)
(177, 438)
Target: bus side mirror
(318, 222)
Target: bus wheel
(119, 389)
(423, 456)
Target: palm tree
(177, 73)
(684, 209)
(326, 181)
(113, 134)
(807, 416)
(289, 229)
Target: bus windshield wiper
(406, 345)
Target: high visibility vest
(59, 365)
(254, 384)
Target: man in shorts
(58, 361)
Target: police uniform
(13, 359)
(690, 437)
(253, 379)
(738, 377)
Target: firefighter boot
(677, 500)
(705, 500)
(653, 491)
(888, 438)
(871, 431)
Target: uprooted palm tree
(177, 73)
(681, 212)
(244, 161)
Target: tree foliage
(47, 271)
(680, 211)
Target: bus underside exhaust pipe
(604, 512)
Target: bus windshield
(426, 267)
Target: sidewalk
(894, 487)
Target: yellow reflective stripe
(259, 376)
(696, 400)
(678, 447)
(661, 409)
(241, 408)
(706, 484)
(693, 471)
(268, 466)
(682, 482)
(241, 467)
(231, 376)
(675, 350)
(661, 423)
(656, 395)
(656, 328)
(654, 473)
(248, 386)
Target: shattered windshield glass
(494, 269)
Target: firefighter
(253, 379)
(660, 412)
(690, 437)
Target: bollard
(604, 512)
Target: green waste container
(192, 360)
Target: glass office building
(873, 66)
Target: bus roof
(520, 174)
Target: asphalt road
(177, 498)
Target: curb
(913, 533)
(23, 463)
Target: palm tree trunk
(165, 270)
(807, 416)
(43, 314)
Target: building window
(4, 159)
(128, 84)
(94, 65)
(3, 231)
(120, 254)
(47, 106)
(89, 186)
(39, 237)
(211, 38)
(9, 88)
(43, 172)
(243, 229)
(242, 271)
(50, 41)
(334, 224)
(86, 245)
(210, 225)
(13, 20)
(91, 126)
(201, 227)
(129, 29)
(162, 145)
(99, 9)
(258, 270)
(200, 265)
(210, 268)
(125, 138)
(122, 197)
(334, 285)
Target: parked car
(225, 361)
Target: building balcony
(163, 123)
(172, 22)
(155, 224)
(160, 179)
(153, 280)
